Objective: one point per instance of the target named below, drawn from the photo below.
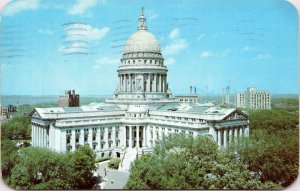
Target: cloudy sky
(48, 46)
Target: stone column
(124, 131)
(137, 136)
(235, 134)
(126, 83)
(130, 83)
(144, 137)
(230, 135)
(159, 82)
(113, 135)
(73, 140)
(148, 83)
(130, 136)
(43, 136)
(163, 83)
(154, 83)
(219, 137)
(225, 138)
(47, 138)
(32, 134)
(120, 83)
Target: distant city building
(191, 98)
(70, 99)
(141, 111)
(253, 99)
(187, 98)
(5, 111)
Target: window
(85, 138)
(109, 135)
(94, 137)
(68, 140)
(109, 145)
(102, 136)
(151, 134)
(94, 147)
(102, 155)
(117, 134)
(102, 145)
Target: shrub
(114, 163)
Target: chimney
(195, 89)
(191, 89)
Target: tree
(18, 126)
(275, 156)
(81, 165)
(9, 157)
(182, 162)
(40, 168)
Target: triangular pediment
(35, 114)
(236, 114)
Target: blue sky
(205, 43)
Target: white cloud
(169, 61)
(45, 31)
(175, 46)
(106, 61)
(209, 53)
(82, 6)
(86, 33)
(263, 56)
(174, 33)
(96, 33)
(74, 48)
(20, 5)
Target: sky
(49, 46)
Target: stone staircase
(130, 156)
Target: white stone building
(253, 99)
(141, 111)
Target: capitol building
(141, 111)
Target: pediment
(236, 115)
(35, 114)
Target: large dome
(141, 41)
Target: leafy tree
(275, 156)
(81, 165)
(41, 168)
(9, 157)
(18, 126)
(181, 162)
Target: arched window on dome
(150, 61)
(133, 61)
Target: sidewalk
(114, 179)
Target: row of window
(184, 119)
(155, 62)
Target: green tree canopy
(183, 162)
(41, 168)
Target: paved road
(114, 179)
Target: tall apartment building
(253, 99)
(70, 99)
